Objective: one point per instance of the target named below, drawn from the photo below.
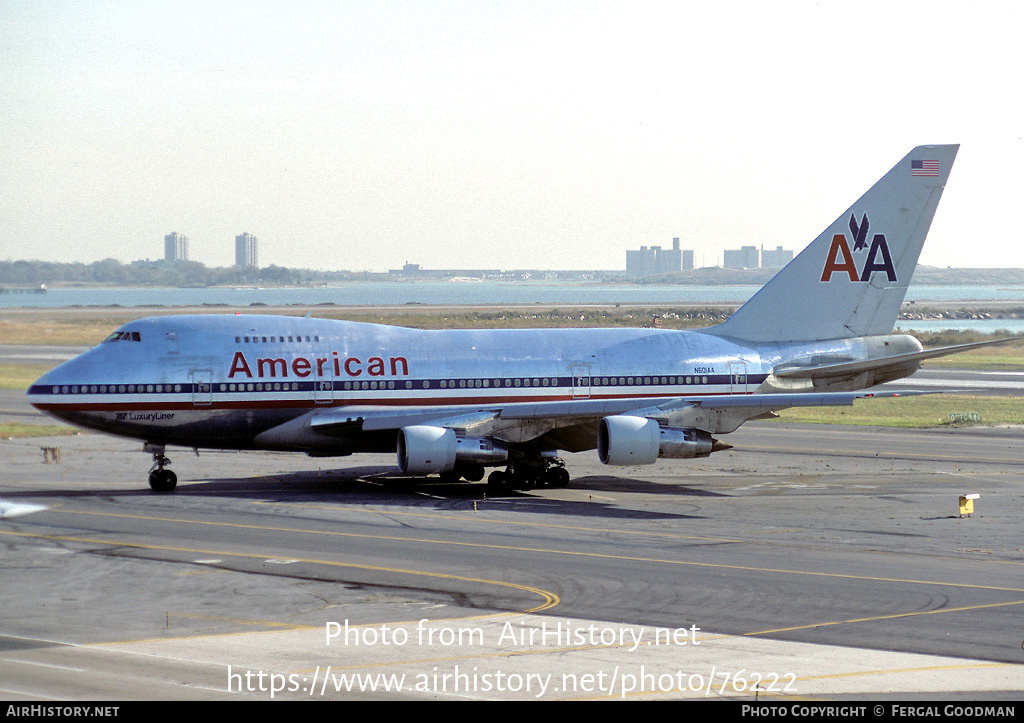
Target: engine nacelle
(424, 449)
(686, 443)
(628, 440)
(480, 450)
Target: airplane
(456, 402)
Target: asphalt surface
(808, 561)
(811, 561)
(965, 381)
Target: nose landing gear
(160, 479)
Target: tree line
(159, 273)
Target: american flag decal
(924, 168)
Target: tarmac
(807, 563)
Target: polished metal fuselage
(220, 381)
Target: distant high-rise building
(656, 260)
(776, 259)
(687, 260)
(245, 250)
(175, 247)
(742, 258)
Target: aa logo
(840, 258)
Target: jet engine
(424, 449)
(628, 440)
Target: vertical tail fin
(851, 280)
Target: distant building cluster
(656, 260)
(411, 271)
(748, 257)
(741, 258)
(775, 259)
(176, 249)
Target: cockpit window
(123, 336)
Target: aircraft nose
(63, 379)
(60, 374)
(47, 379)
(45, 387)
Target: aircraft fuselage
(220, 381)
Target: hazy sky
(361, 135)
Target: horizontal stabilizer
(855, 367)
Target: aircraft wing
(855, 367)
(485, 419)
(522, 422)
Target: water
(478, 293)
(985, 326)
(388, 294)
(461, 293)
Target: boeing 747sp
(457, 402)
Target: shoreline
(981, 306)
(88, 325)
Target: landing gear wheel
(526, 483)
(556, 477)
(162, 480)
(499, 483)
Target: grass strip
(928, 411)
(13, 430)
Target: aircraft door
(737, 377)
(202, 387)
(323, 379)
(580, 381)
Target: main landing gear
(160, 479)
(528, 473)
